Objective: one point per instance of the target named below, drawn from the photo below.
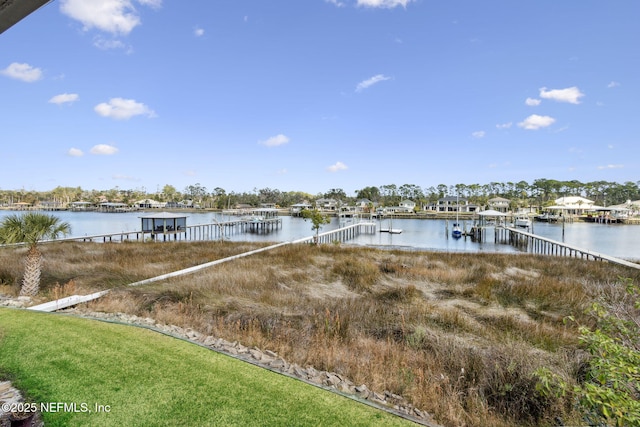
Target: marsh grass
(459, 335)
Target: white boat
(547, 217)
(522, 221)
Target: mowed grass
(149, 379)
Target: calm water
(614, 239)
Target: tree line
(538, 193)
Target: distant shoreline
(462, 216)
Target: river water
(617, 240)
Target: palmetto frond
(30, 229)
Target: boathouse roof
(12, 12)
(491, 212)
(163, 215)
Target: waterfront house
(408, 205)
(296, 210)
(327, 204)
(148, 204)
(499, 204)
(455, 204)
(574, 205)
(364, 205)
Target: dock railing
(542, 245)
(341, 234)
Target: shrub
(610, 392)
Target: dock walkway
(542, 245)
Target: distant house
(499, 204)
(632, 208)
(573, 205)
(410, 205)
(455, 204)
(327, 204)
(295, 210)
(148, 204)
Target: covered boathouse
(164, 224)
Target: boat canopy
(491, 212)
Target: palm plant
(30, 229)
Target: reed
(459, 335)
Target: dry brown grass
(459, 335)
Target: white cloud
(385, 4)
(611, 167)
(64, 98)
(338, 166)
(112, 16)
(75, 152)
(156, 4)
(370, 82)
(198, 32)
(532, 102)
(478, 134)
(275, 141)
(24, 72)
(104, 150)
(504, 125)
(109, 44)
(535, 122)
(123, 109)
(335, 2)
(571, 95)
(613, 84)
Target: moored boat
(522, 221)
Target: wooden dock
(210, 231)
(542, 245)
(341, 234)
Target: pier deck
(542, 245)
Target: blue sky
(310, 95)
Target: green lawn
(149, 379)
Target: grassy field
(142, 378)
(459, 335)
